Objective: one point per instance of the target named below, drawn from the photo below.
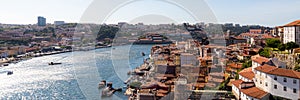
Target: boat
(10, 72)
(109, 90)
(5, 64)
(118, 89)
(102, 84)
(52, 63)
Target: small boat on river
(10, 72)
(102, 84)
(109, 90)
(52, 63)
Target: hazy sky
(263, 12)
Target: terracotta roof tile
(297, 50)
(278, 71)
(294, 23)
(259, 59)
(254, 92)
(247, 73)
(235, 65)
(228, 69)
(237, 82)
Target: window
(259, 74)
(284, 88)
(266, 84)
(255, 80)
(294, 81)
(295, 90)
(275, 77)
(275, 86)
(284, 79)
(260, 82)
(266, 75)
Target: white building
(258, 61)
(266, 78)
(291, 32)
(247, 91)
(278, 81)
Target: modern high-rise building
(41, 21)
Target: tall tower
(41, 21)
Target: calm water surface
(76, 78)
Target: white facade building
(258, 61)
(268, 80)
(291, 32)
(278, 81)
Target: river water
(76, 78)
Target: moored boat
(102, 84)
(10, 72)
(52, 63)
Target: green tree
(281, 47)
(297, 68)
(247, 64)
(107, 32)
(265, 52)
(135, 84)
(273, 42)
(291, 46)
(298, 61)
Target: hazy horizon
(255, 12)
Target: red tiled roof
(247, 73)
(278, 71)
(254, 92)
(246, 70)
(228, 69)
(264, 36)
(259, 59)
(162, 91)
(297, 50)
(165, 75)
(294, 23)
(237, 82)
(199, 85)
(235, 65)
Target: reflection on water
(35, 79)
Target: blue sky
(262, 12)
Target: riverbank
(29, 55)
(6, 61)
